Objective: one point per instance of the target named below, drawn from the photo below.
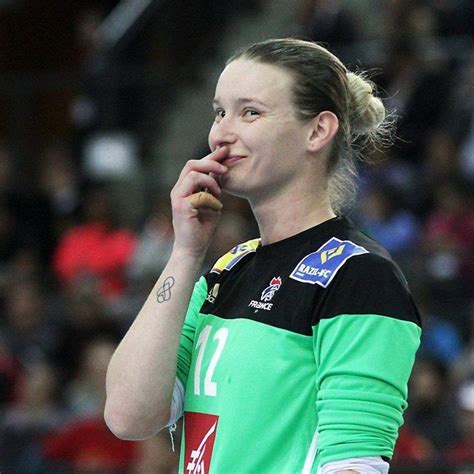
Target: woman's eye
(250, 113)
(219, 113)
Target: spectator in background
(11, 374)
(417, 93)
(454, 18)
(464, 367)
(85, 394)
(412, 450)
(60, 184)
(24, 211)
(8, 239)
(441, 339)
(154, 243)
(440, 163)
(25, 221)
(8, 219)
(458, 121)
(28, 329)
(93, 107)
(441, 159)
(429, 404)
(35, 414)
(85, 316)
(461, 452)
(326, 21)
(384, 219)
(85, 444)
(449, 235)
(388, 170)
(411, 18)
(95, 249)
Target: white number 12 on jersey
(210, 387)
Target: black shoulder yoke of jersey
(326, 271)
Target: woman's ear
(323, 128)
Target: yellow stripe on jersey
(227, 261)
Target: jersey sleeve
(186, 343)
(365, 338)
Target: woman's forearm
(141, 373)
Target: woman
(296, 348)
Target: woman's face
(255, 117)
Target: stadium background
(102, 102)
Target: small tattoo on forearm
(164, 293)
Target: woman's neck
(282, 216)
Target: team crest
(267, 295)
(269, 292)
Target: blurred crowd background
(102, 102)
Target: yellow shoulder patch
(227, 261)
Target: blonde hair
(322, 82)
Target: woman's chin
(233, 186)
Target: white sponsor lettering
(197, 466)
(314, 271)
(212, 295)
(260, 305)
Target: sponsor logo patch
(320, 267)
(199, 436)
(267, 295)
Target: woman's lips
(230, 160)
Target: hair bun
(367, 111)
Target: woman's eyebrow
(243, 101)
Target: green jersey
(296, 354)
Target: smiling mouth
(230, 160)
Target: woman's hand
(193, 228)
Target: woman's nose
(222, 133)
